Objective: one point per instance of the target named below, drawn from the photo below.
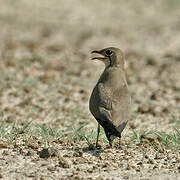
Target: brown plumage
(110, 100)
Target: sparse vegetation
(46, 129)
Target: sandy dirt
(46, 78)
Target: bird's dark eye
(108, 52)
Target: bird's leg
(98, 131)
(110, 143)
(119, 141)
(109, 137)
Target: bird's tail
(121, 127)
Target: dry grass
(46, 129)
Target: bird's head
(112, 57)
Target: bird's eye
(108, 52)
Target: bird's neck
(114, 66)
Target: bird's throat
(110, 61)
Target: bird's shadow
(91, 149)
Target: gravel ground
(46, 129)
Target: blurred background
(45, 67)
(46, 78)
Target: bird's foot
(98, 146)
(110, 143)
(110, 146)
(119, 144)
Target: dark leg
(109, 137)
(98, 131)
(110, 143)
(119, 141)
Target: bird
(110, 99)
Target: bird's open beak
(100, 57)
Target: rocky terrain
(46, 77)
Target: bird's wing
(105, 106)
(105, 100)
(114, 109)
(120, 108)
